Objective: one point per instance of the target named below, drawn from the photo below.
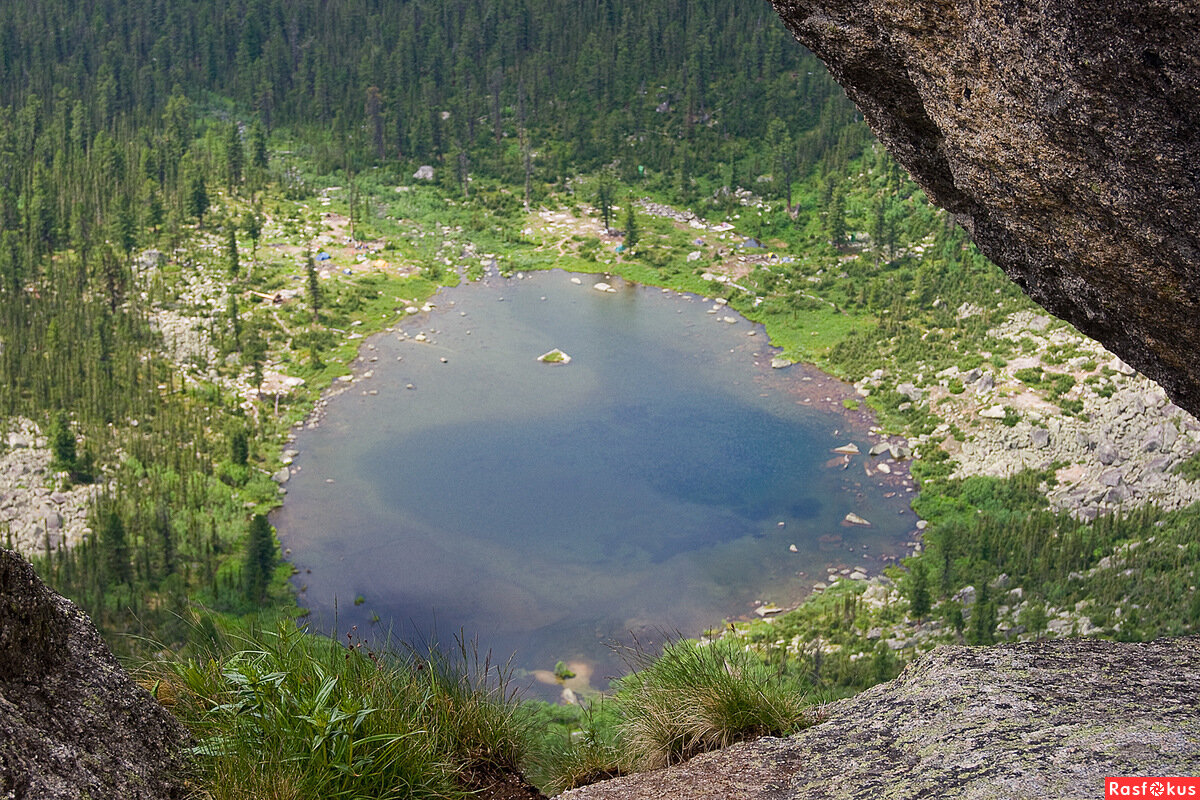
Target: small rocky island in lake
(555, 356)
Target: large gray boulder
(1034, 720)
(1063, 135)
(73, 724)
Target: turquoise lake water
(549, 510)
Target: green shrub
(1189, 468)
(1029, 375)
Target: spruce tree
(239, 448)
(235, 157)
(156, 213)
(260, 558)
(231, 251)
(115, 547)
(918, 591)
(62, 443)
(835, 218)
(258, 146)
(631, 226)
(983, 618)
(604, 198)
(198, 199)
(252, 224)
(235, 321)
(254, 353)
(314, 288)
(166, 539)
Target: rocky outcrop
(36, 512)
(73, 724)
(1044, 720)
(1061, 134)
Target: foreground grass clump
(694, 698)
(285, 714)
(690, 699)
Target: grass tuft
(698, 697)
(285, 714)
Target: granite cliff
(73, 724)
(1034, 720)
(1063, 135)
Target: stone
(855, 519)
(1107, 454)
(1061, 136)
(1159, 464)
(1118, 494)
(73, 724)
(1112, 477)
(424, 173)
(910, 391)
(1035, 720)
(849, 449)
(985, 383)
(1039, 438)
(1170, 435)
(994, 412)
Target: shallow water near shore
(551, 509)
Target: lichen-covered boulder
(73, 724)
(1035, 720)
(1063, 134)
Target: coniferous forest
(148, 147)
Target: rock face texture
(73, 724)
(1034, 720)
(1064, 135)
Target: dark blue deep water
(550, 509)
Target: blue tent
(323, 256)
